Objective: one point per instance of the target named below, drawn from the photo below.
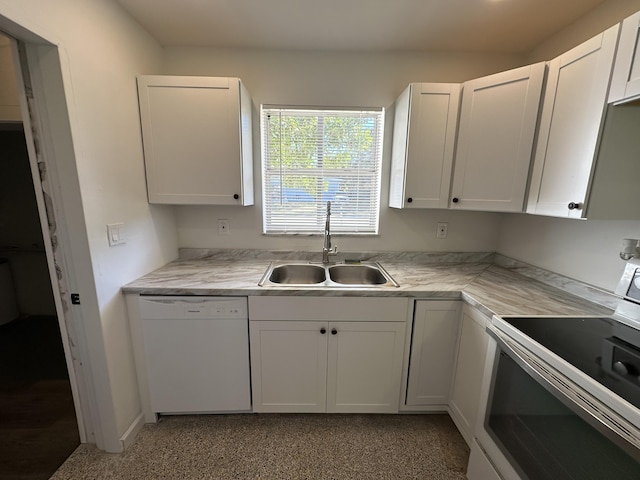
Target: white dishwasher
(197, 353)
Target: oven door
(536, 424)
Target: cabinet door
(465, 392)
(625, 82)
(572, 115)
(495, 140)
(424, 131)
(364, 367)
(288, 366)
(433, 349)
(196, 131)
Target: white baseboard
(132, 432)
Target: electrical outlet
(441, 231)
(223, 227)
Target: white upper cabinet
(197, 140)
(625, 82)
(424, 133)
(572, 117)
(495, 140)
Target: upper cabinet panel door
(572, 115)
(424, 135)
(197, 140)
(625, 82)
(495, 140)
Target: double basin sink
(338, 275)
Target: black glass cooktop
(604, 349)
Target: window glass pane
(314, 156)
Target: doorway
(38, 421)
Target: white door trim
(43, 173)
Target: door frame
(40, 71)
(51, 216)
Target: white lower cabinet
(432, 352)
(469, 369)
(364, 366)
(304, 363)
(288, 366)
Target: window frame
(369, 227)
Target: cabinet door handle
(409, 200)
(236, 196)
(334, 331)
(575, 206)
(323, 330)
(455, 199)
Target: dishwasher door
(197, 353)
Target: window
(310, 157)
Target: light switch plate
(116, 234)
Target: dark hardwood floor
(38, 427)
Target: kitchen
(99, 65)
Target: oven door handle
(587, 407)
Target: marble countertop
(491, 288)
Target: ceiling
(509, 26)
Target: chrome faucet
(326, 248)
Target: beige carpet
(273, 446)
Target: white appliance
(561, 395)
(197, 353)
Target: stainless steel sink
(298, 274)
(357, 275)
(339, 275)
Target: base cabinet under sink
(337, 356)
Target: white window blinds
(310, 157)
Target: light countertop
(474, 278)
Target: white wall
(336, 79)
(9, 101)
(584, 250)
(607, 14)
(102, 50)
